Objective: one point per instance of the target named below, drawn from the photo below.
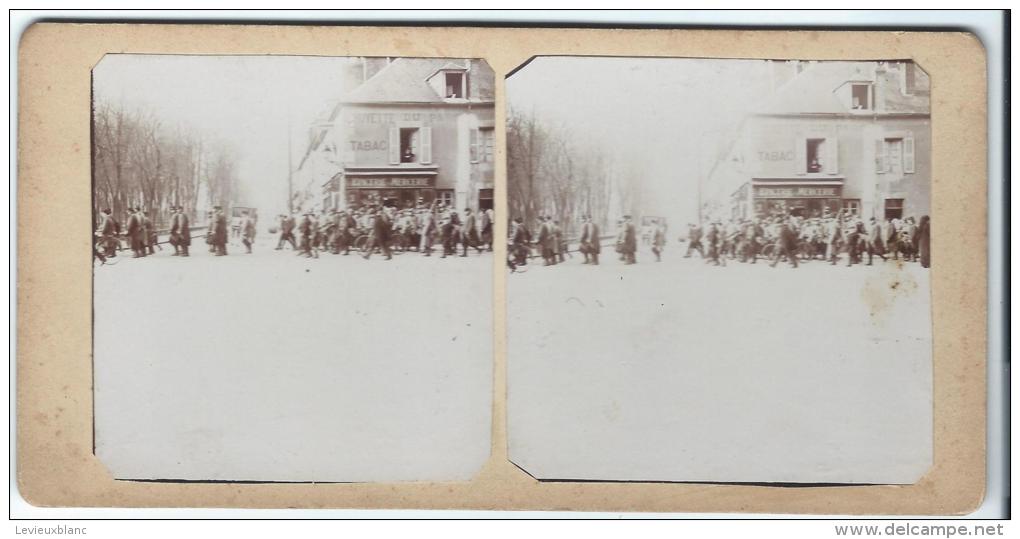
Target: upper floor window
(860, 96)
(817, 155)
(455, 87)
(481, 145)
(410, 145)
(895, 154)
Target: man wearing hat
(468, 232)
(379, 236)
(220, 231)
(287, 224)
(590, 247)
(694, 240)
(247, 230)
(426, 229)
(134, 232)
(180, 232)
(519, 240)
(629, 241)
(107, 233)
(658, 239)
(148, 233)
(713, 237)
(305, 231)
(786, 243)
(546, 241)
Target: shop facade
(417, 131)
(844, 136)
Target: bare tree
(552, 173)
(139, 161)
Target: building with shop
(834, 135)
(412, 129)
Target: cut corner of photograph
(719, 270)
(292, 267)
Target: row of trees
(138, 160)
(553, 173)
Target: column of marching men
(833, 237)
(369, 229)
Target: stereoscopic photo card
(658, 270)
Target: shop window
(852, 206)
(860, 96)
(894, 208)
(455, 87)
(445, 196)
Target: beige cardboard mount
(55, 464)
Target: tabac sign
(762, 191)
(390, 182)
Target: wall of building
(772, 149)
(362, 138)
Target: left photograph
(292, 267)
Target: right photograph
(719, 270)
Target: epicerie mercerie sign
(796, 192)
(389, 182)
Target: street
(680, 371)
(273, 367)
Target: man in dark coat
(694, 234)
(380, 236)
(924, 241)
(148, 234)
(134, 232)
(875, 245)
(590, 243)
(519, 240)
(485, 220)
(180, 232)
(786, 244)
(468, 232)
(546, 241)
(305, 231)
(629, 241)
(107, 233)
(220, 231)
(287, 224)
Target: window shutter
(394, 146)
(800, 152)
(908, 154)
(426, 145)
(880, 161)
(473, 135)
(832, 155)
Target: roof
(812, 91)
(404, 80)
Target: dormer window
(454, 85)
(450, 81)
(860, 96)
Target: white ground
(679, 371)
(273, 367)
